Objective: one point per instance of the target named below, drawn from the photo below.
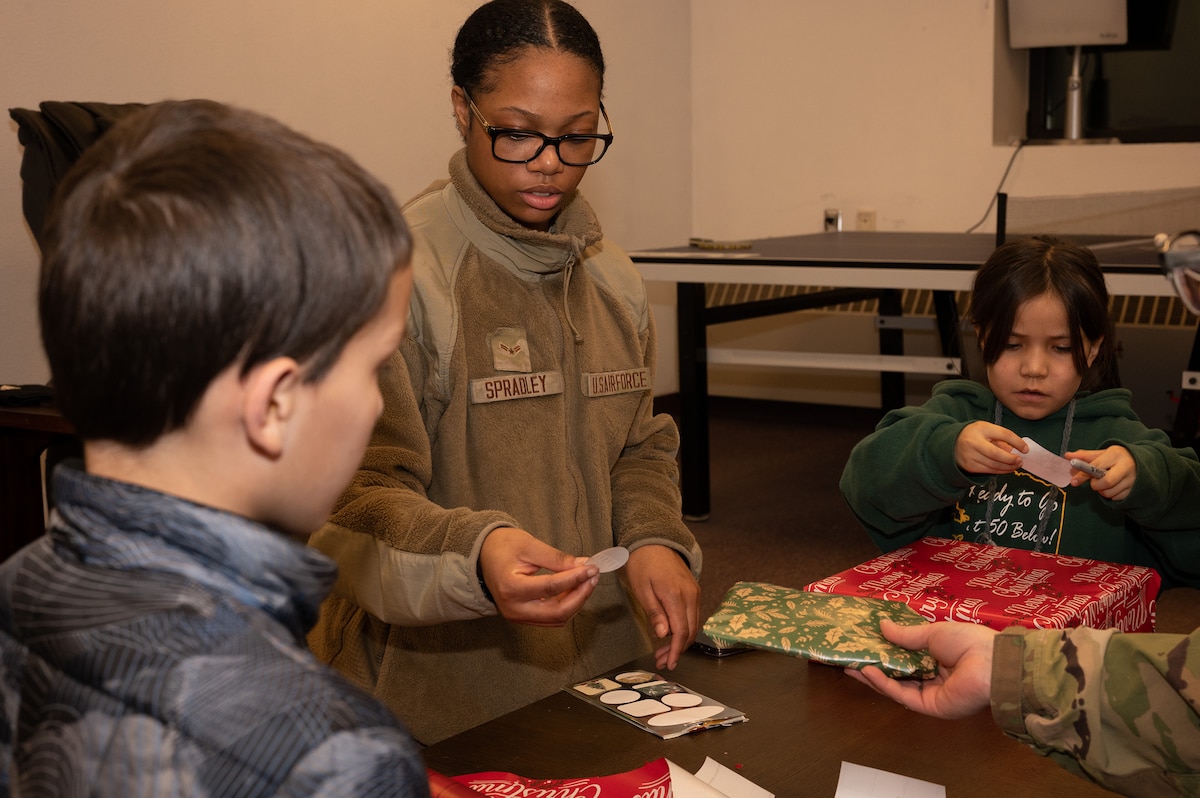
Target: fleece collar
(529, 252)
(574, 230)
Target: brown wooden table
(804, 720)
(25, 432)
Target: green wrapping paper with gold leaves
(829, 628)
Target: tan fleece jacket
(506, 407)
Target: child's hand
(1117, 461)
(985, 448)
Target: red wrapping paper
(442, 786)
(651, 780)
(953, 580)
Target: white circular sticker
(634, 677)
(620, 696)
(609, 559)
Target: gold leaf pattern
(830, 628)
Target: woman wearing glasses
(517, 436)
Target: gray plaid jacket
(151, 646)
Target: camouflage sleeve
(1120, 709)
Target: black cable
(1003, 177)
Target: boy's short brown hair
(195, 236)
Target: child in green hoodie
(953, 466)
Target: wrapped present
(653, 778)
(945, 579)
(836, 630)
(659, 777)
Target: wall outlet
(865, 219)
(833, 220)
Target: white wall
(370, 76)
(734, 120)
(802, 106)
(861, 103)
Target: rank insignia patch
(510, 350)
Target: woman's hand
(510, 560)
(663, 583)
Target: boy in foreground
(217, 297)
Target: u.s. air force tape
(608, 383)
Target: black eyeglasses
(513, 145)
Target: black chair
(54, 137)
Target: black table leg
(945, 306)
(1183, 432)
(693, 400)
(891, 342)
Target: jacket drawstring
(570, 269)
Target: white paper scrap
(713, 780)
(1046, 464)
(685, 785)
(858, 781)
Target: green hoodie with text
(902, 483)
